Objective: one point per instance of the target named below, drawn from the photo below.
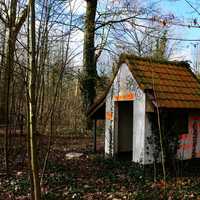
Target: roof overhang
(98, 109)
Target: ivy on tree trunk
(88, 81)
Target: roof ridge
(125, 56)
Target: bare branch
(21, 20)
(3, 19)
(110, 22)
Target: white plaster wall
(109, 124)
(139, 130)
(124, 82)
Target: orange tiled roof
(172, 84)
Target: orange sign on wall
(109, 115)
(127, 97)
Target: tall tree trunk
(12, 28)
(89, 65)
(31, 97)
(8, 64)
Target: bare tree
(12, 25)
(31, 102)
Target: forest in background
(56, 58)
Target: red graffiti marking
(185, 146)
(195, 118)
(185, 136)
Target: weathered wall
(149, 145)
(189, 143)
(126, 88)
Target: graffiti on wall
(125, 87)
(194, 129)
(132, 85)
(189, 143)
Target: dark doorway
(125, 130)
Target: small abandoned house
(143, 95)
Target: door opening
(125, 129)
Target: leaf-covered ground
(91, 177)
